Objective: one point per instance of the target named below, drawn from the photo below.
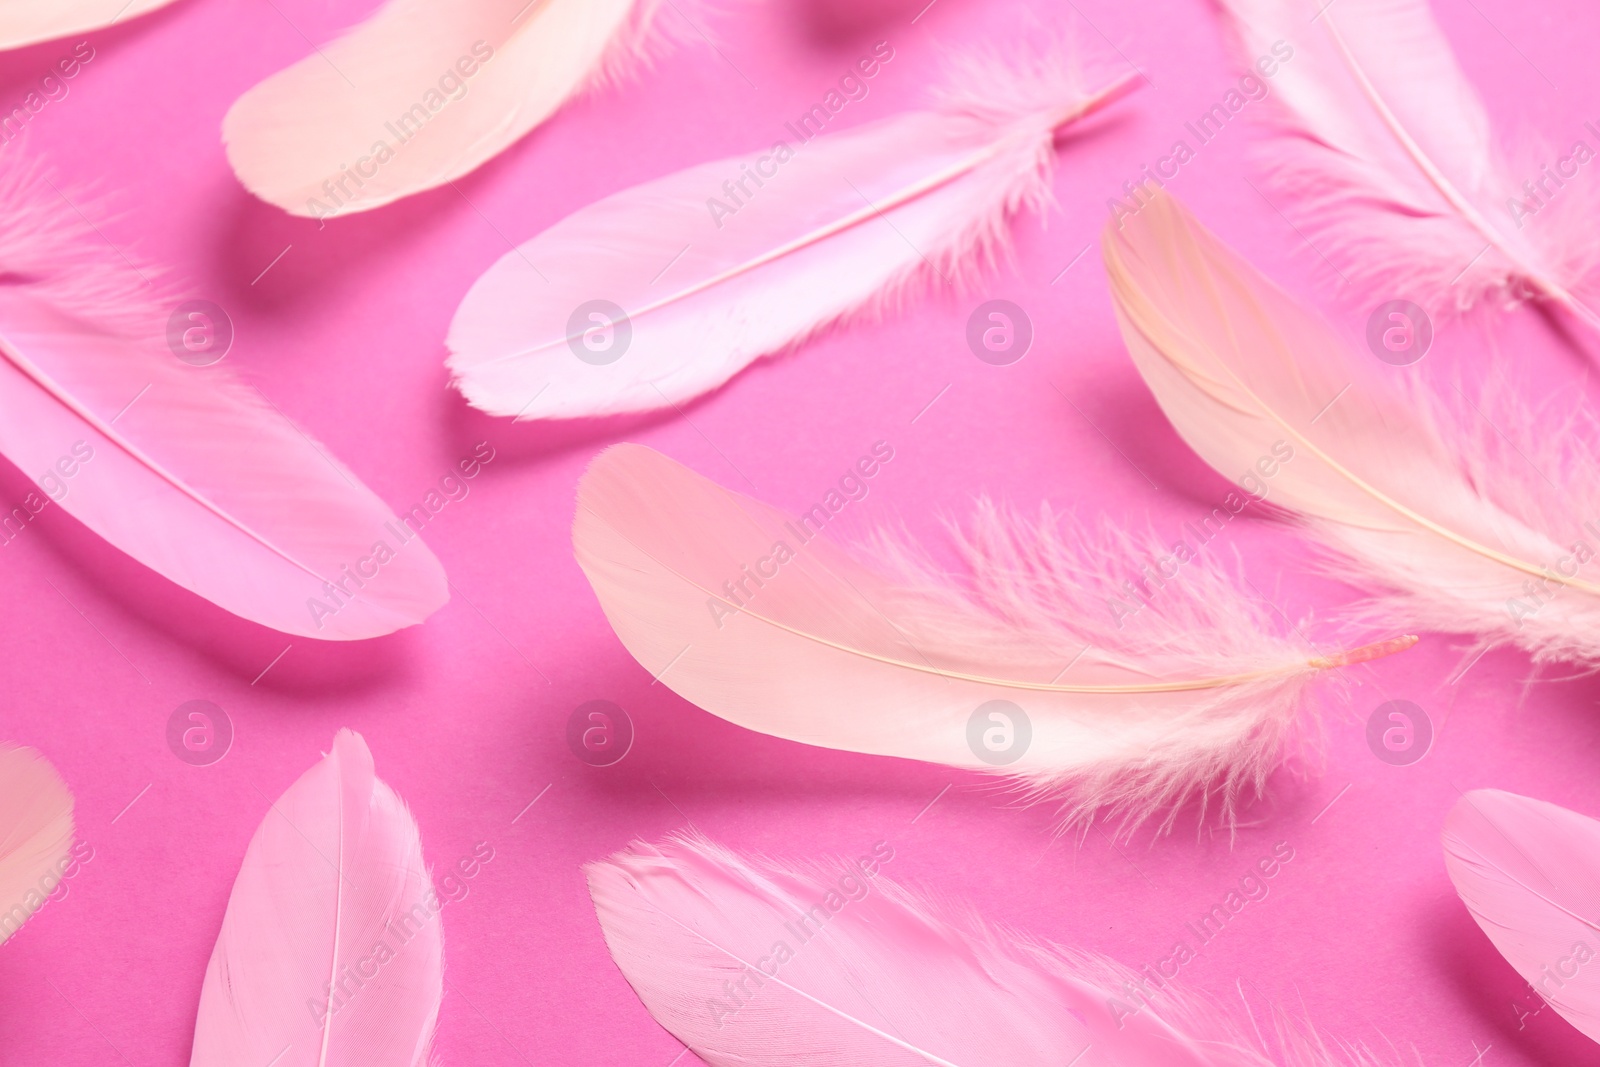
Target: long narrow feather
(1452, 535)
(424, 92)
(753, 963)
(1387, 157)
(331, 953)
(35, 834)
(726, 262)
(25, 22)
(1529, 872)
(184, 468)
(758, 619)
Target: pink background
(466, 715)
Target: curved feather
(1386, 152)
(840, 224)
(25, 22)
(192, 473)
(753, 963)
(1379, 476)
(1529, 871)
(331, 953)
(896, 660)
(35, 834)
(421, 93)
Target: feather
(331, 953)
(424, 92)
(725, 953)
(698, 281)
(1449, 528)
(184, 468)
(1529, 872)
(25, 22)
(35, 835)
(1385, 153)
(755, 619)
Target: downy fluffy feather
(25, 22)
(331, 953)
(424, 92)
(1448, 522)
(841, 225)
(1387, 158)
(35, 834)
(1529, 872)
(752, 963)
(736, 608)
(193, 473)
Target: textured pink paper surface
(342, 328)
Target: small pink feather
(193, 473)
(1529, 871)
(1387, 159)
(753, 963)
(762, 620)
(35, 834)
(425, 91)
(331, 952)
(711, 279)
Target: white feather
(709, 280)
(1195, 696)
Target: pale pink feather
(443, 86)
(25, 22)
(754, 963)
(331, 952)
(193, 473)
(1529, 871)
(1448, 524)
(1196, 696)
(843, 224)
(1384, 153)
(35, 834)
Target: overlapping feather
(758, 619)
(25, 22)
(838, 225)
(1384, 153)
(192, 473)
(331, 953)
(1529, 871)
(753, 963)
(35, 835)
(1455, 527)
(424, 92)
